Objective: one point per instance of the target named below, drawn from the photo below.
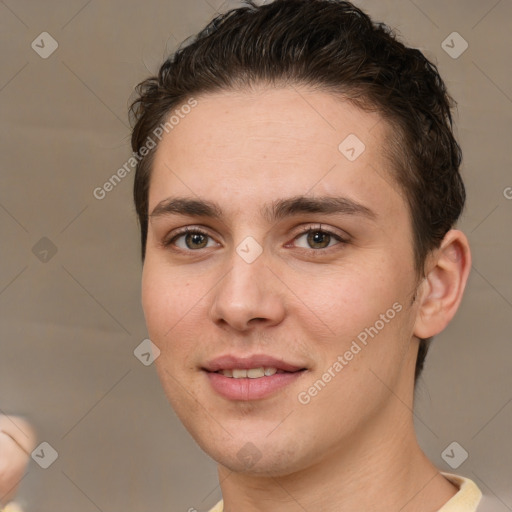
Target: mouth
(253, 373)
(254, 364)
(251, 378)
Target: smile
(251, 383)
(251, 373)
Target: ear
(441, 291)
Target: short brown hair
(331, 46)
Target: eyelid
(343, 236)
(342, 240)
(169, 239)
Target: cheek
(165, 300)
(361, 303)
(343, 301)
(151, 299)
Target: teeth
(251, 373)
(255, 373)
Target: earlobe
(443, 287)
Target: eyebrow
(275, 211)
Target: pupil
(316, 237)
(196, 239)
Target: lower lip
(251, 389)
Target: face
(298, 258)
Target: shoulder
(219, 507)
(467, 498)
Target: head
(308, 99)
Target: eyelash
(308, 229)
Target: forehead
(273, 142)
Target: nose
(248, 295)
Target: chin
(257, 457)
(265, 467)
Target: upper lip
(231, 362)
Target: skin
(17, 440)
(353, 446)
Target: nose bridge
(249, 261)
(246, 280)
(248, 289)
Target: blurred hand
(17, 440)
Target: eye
(193, 238)
(318, 238)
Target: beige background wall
(70, 322)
